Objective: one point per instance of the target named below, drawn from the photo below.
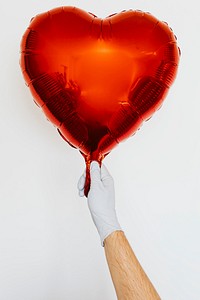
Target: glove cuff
(108, 233)
(106, 226)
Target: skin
(129, 279)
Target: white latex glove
(101, 200)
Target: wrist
(109, 232)
(115, 235)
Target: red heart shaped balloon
(97, 79)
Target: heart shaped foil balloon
(97, 79)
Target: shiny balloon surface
(97, 79)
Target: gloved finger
(81, 193)
(105, 176)
(81, 182)
(95, 173)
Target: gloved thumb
(106, 178)
(95, 173)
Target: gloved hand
(101, 200)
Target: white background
(49, 247)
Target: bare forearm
(129, 278)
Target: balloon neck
(93, 156)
